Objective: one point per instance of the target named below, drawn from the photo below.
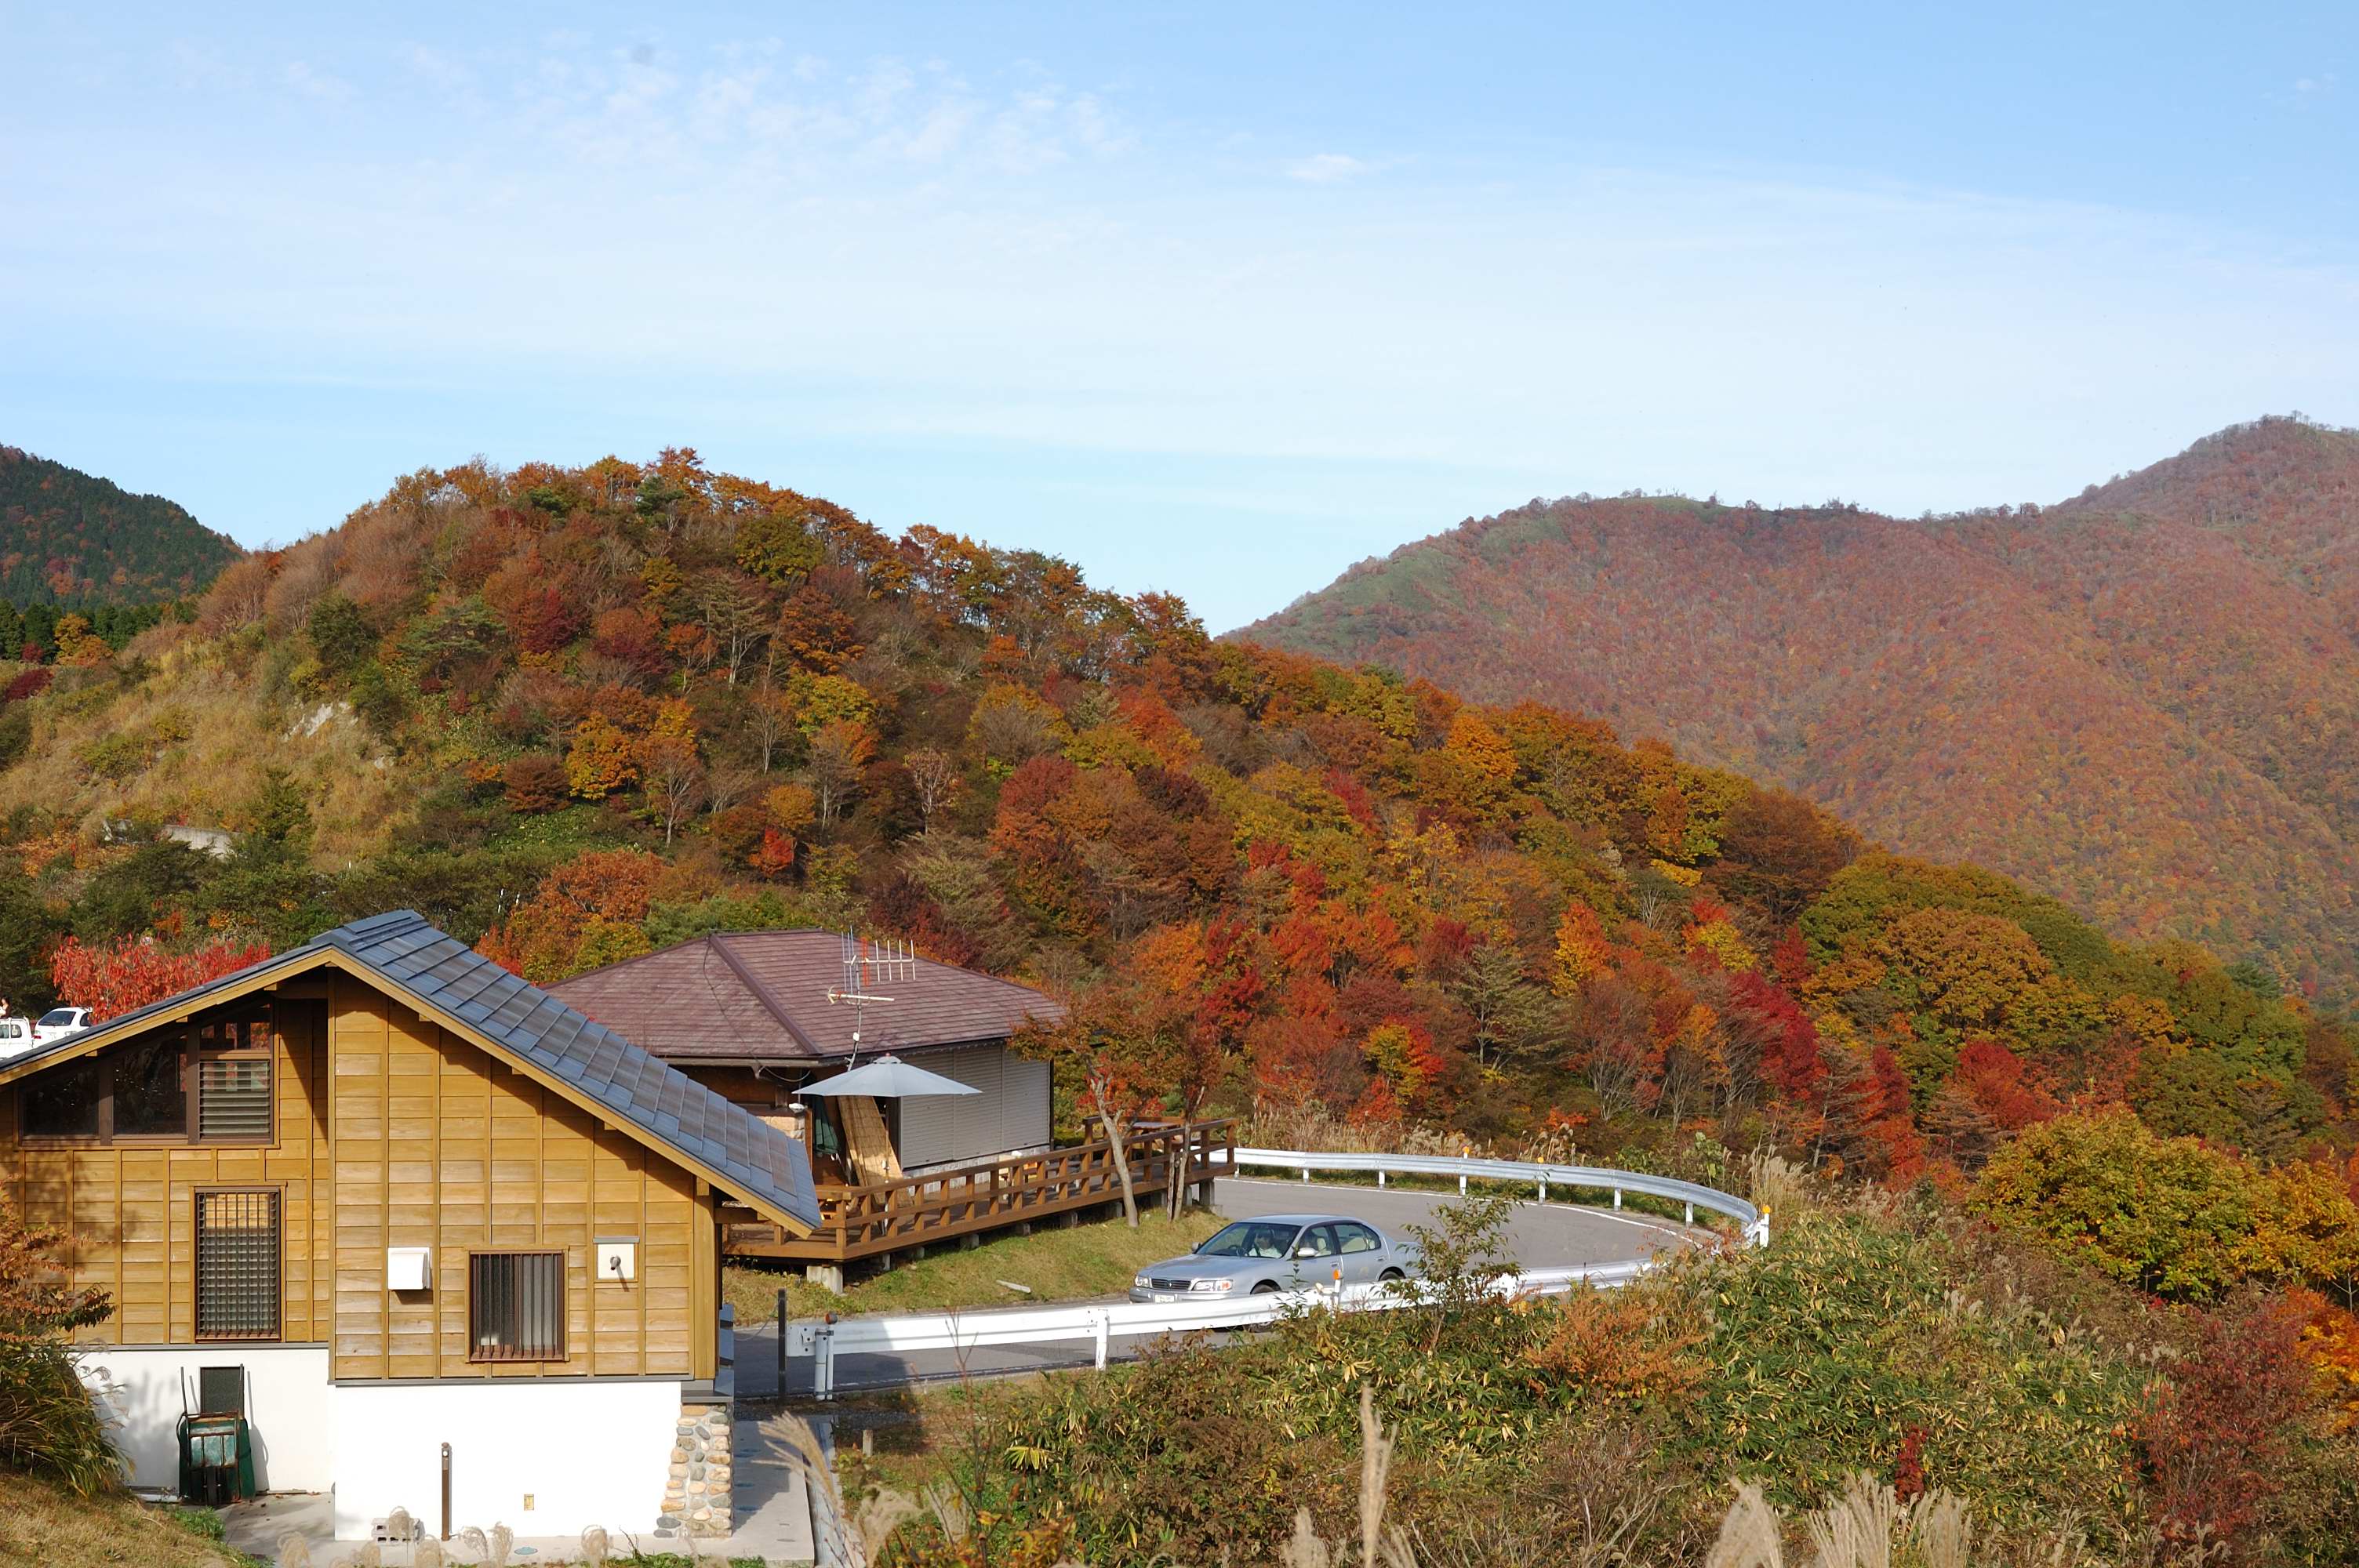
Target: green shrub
(49, 1426)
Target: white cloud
(315, 84)
(1325, 168)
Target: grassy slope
(41, 1525)
(208, 734)
(1059, 1265)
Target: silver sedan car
(1277, 1252)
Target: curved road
(1539, 1235)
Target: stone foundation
(697, 1498)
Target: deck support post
(1070, 1218)
(828, 1276)
(970, 1241)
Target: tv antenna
(881, 963)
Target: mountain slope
(2145, 702)
(70, 537)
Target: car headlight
(1211, 1284)
(1143, 1283)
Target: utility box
(618, 1258)
(409, 1268)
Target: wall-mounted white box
(409, 1268)
(618, 1257)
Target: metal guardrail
(1104, 1322)
(1591, 1178)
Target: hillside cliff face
(2144, 701)
(70, 538)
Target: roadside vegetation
(1057, 1263)
(2051, 1417)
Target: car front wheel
(1267, 1288)
(1389, 1275)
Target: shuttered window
(516, 1306)
(234, 1098)
(233, 1057)
(238, 1265)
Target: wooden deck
(914, 1211)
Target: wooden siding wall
(395, 1132)
(437, 1145)
(130, 1210)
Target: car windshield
(1250, 1238)
(56, 1016)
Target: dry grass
(43, 1527)
(1092, 1259)
(197, 735)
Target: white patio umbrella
(888, 1077)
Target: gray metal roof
(413, 960)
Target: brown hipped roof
(761, 996)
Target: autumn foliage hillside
(68, 536)
(576, 713)
(2144, 701)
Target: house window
(234, 1080)
(209, 1083)
(238, 1265)
(65, 1102)
(150, 1089)
(516, 1306)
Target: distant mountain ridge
(70, 538)
(2144, 700)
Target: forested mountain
(68, 537)
(578, 713)
(2144, 701)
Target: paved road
(1539, 1235)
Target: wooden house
(394, 1205)
(750, 1015)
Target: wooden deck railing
(862, 1222)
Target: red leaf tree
(114, 978)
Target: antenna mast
(883, 962)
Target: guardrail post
(822, 1360)
(1617, 1197)
(1543, 1189)
(1691, 1213)
(1306, 1172)
(1098, 1321)
(1380, 1176)
(1461, 1184)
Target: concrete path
(1539, 1235)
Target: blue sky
(1216, 299)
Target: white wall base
(586, 1453)
(287, 1409)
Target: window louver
(234, 1098)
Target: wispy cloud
(317, 85)
(1326, 168)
